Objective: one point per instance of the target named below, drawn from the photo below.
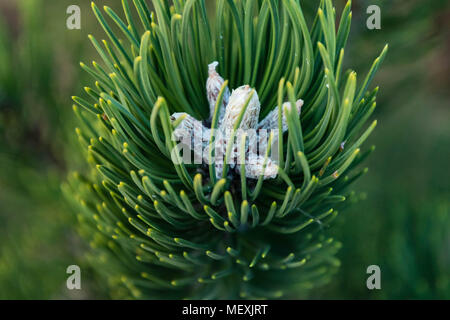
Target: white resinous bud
(213, 86)
(191, 133)
(235, 107)
(270, 122)
(254, 167)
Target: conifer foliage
(162, 229)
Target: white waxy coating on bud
(257, 133)
(235, 106)
(270, 125)
(270, 122)
(258, 141)
(190, 127)
(254, 167)
(213, 86)
(191, 132)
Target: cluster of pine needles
(167, 230)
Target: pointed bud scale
(213, 86)
(270, 122)
(189, 127)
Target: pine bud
(235, 106)
(254, 167)
(270, 122)
(234, 109)
(190, 127)
(192, 133)
(213, 86)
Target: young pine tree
(162, 228)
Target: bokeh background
(400, 221)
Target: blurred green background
(400, 223)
